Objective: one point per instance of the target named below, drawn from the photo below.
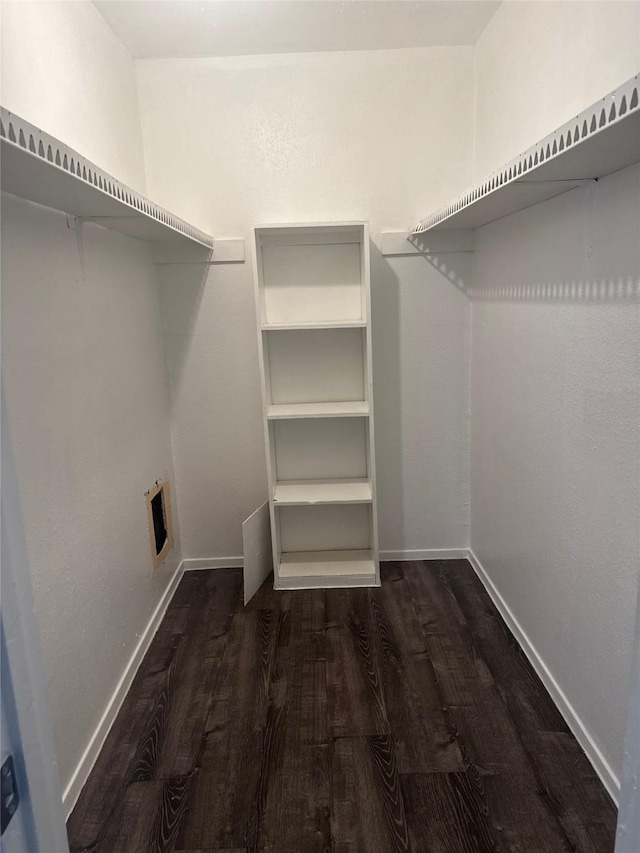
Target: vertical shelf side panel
(265, 389)
(368, 370)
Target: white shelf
(314, 492)
(312, 292)
(600, 140)
(309, 569)
(337, 324)
(40, 168)
(289, 411)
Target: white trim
(91, 753)
(326, 582)
(198, 563)
(425, 243)
(426, 554)
(579, 729)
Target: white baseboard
(193, 565)
(580, 731)
(197, 563)
(428, 554)
(90, 755)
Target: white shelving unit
(600, 140)
(313, 305)
(40, 168)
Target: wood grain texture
(404, 718)
(447, 813)
(148, 819)
(226, 798)
(413, 700)
(136, 746)
(356, 703)
(367, 806)
(521, 689)
(574, 793)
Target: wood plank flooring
(398, 719)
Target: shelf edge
(24, 137)
(614, 108)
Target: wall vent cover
(159, 518)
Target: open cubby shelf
(312, 492)
(330, 324)
(313, 306)
(304, 569)
(332, 409)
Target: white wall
(540, 62)
(377, 135)
(555, 408)
(87, 406)
(83, 373)
(64, 70)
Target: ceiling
(184, 28)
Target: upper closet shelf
(40, 168)
(602, 139)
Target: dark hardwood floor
(404, 718)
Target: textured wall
(87, 407)
(82, 362)
(64, 70)
(555, 473)
(539, 63)
(377, 135)
(555, 417)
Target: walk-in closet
(320, 426)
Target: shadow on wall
(447, 264)
(385, 322)
(620, 290)
(181, 289)
(580, 247)
(210, 349)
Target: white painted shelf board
(337, 324)
(325, 582)
(314, 492)
(600, 140)
(289, 411)
(326, 564)
(40, 168)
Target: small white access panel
(256, 548)
(313, 302)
